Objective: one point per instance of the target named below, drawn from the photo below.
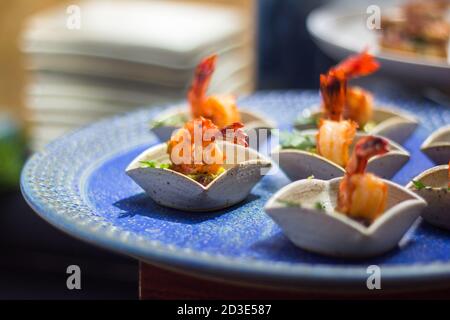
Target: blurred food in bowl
(417, 27)
(345, 27)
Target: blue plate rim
(216, 265)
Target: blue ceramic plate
(78, 184)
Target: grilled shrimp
(334, 140)
(363, 195)
(358, 105)
(220, 109)
(196, 162)
(358, 65)
(335, 134)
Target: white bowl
(175, 190)
(436, 193)
(390, 123)
(437, 146)
(331, 233)
(298, 164)
(252, 121)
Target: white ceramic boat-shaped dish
(389, 123)
(437, 146)
(252, 121)
(436, 193)
(175, 190)
(331, 233)
(298, 164)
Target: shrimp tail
(238, 135)
(361, 64)
(365, 149)
(200, 84)
(333, 87)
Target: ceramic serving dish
(329, 232)
(166, 123)
(175, 190)
(299, 164)
(437, 145)
(387, 122)
(432, 185)
(87, 194)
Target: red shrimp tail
(200, 84)
(361, 64)
(238, 134)
(203, 74)
(365, 148)
(333, 87)
(206, 68)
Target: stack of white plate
(125, 55)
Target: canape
(298, 158)
(416, 28)
(391, 123)
(437, 145)
(433, 185)
(168, 122)
(356, 104)
(359, 215)
(205, 175)
(221, 109)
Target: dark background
(287, 57)
(34, 255)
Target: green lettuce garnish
(319, 206)
(177, 120)
(154, 164)
(419, 184)
(289, 203)
(306, 121)
(369, 126)
(297, 140)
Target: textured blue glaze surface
(96, 190)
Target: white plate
(231, 62)
(164, 33)
(340, 30)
